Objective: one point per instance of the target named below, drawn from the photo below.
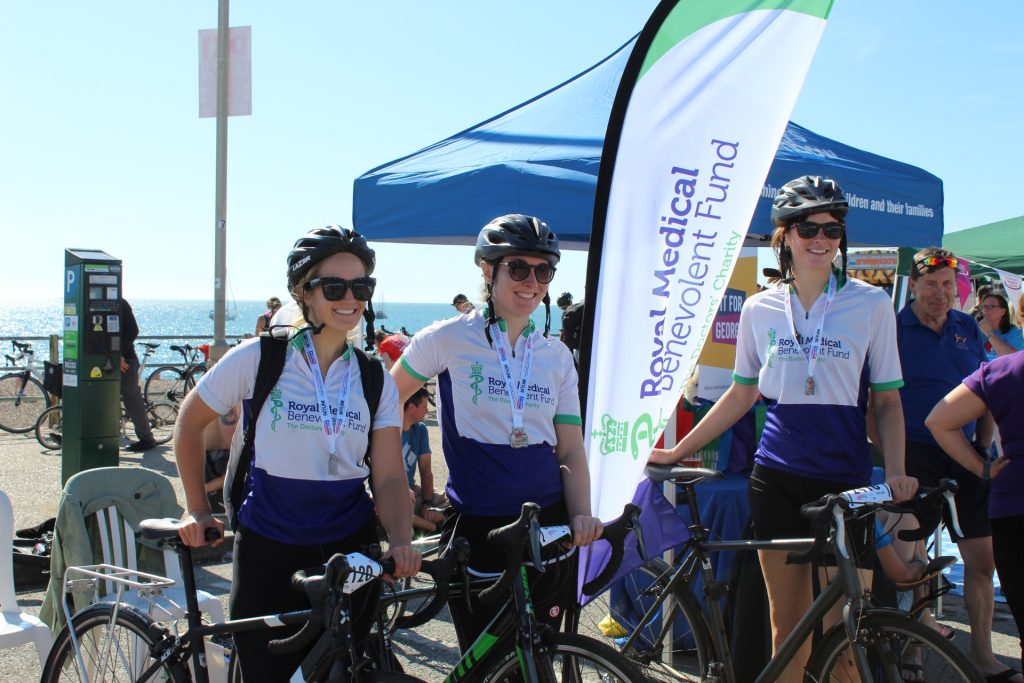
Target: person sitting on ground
(1002, 337)
(391, 348)
(427, 512)
(462, 304)
(263, 322)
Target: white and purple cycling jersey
(486, 475)
(821, 434)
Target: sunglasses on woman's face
(335, 288)
(520, 270)
(809, 229)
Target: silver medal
(519, 438)
(809, 387)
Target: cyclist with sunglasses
(305, 496)
(939, 347)
(813, 345)
(509, 410)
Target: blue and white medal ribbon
(815, 349)
(332, 422)
(519, 438)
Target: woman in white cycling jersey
(509, 410)
(304, 497)
(815, 345)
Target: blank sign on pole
(239, 76)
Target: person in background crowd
(523, 442)
(564, 301)
(1002, 337)
(462, 304)
(938, 347)
(993, 388)
(263, 322)
(131, 394)
(815, 435)
(217, 443)
(305, 498)
(416, 453)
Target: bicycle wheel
(166, 383)
(50, 427)
(22, 400)
(194, 375)
(615, 614)
(162, 416)
(896, 646)
(118, 651)
(573, 658)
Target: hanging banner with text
(700, 111)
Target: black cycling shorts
(775, 500)
(929, 463)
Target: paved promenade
(31, 478)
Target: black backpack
(273, 350)
(572, 326)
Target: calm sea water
(187, 318)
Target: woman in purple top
(994, 387)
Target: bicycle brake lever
(466, 588)
(535, 545)
(638, 531)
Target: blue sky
(102, 146)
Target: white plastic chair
(118, 545)
(16, 627)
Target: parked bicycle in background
(172, 383)
(22, 396)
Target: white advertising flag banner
(239, 72)
(708, 105)
(1012, 285)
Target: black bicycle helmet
(318, 244)
(564, 299)
(805, 196)
(516, 235)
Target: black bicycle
(679, 639)
(172, 383)
(22, 396)
(116, 642)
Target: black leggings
(262, 585)
(1007, 541)
(551, 591)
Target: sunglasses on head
(520, 270)
(937, 260)
(335, 288)
(809, 229)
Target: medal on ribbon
(516, 390)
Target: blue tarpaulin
(542, 157)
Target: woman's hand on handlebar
(194, 525)
(407, 560)
(585, 530)
(902, 487)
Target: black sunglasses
(334, 288)
(520, 270)
(809, 229)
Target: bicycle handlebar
(615, 534)
(829, 512)
(441, 571)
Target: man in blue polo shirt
(939, 346)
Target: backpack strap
(273, 350)
(371, 374)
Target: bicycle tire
(574, 659)
(162, 415)
(134, 636)
(20, 410)
(887, 638)
(692, 648)
(195, 373)
(165, 383)
(389, 677)
(50, 428)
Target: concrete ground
(30, 476)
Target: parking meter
(92, 361)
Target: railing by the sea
(51, 348)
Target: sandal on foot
(1003, 676)
(911, 673)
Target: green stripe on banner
(689, 17)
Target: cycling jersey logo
(476, 373)
(275, 405)
(773, 345)
(640, 436)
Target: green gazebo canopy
(998, 245)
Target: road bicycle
(22, 395)
(116, 642)
(172, 383)
(162, 415)
(885, 642)
(515, 647)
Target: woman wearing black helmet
(304, 498)
(509, 411)
(812, 345)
